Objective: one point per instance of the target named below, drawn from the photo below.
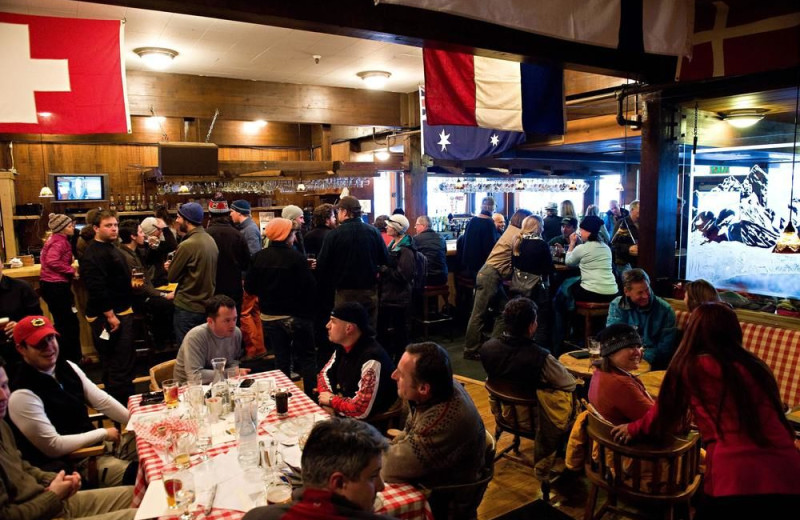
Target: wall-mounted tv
(77, 187)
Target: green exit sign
(720, 169)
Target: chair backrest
(667, 471)
(461, 501)
(515, 409)
(160, 372)
(392, 419)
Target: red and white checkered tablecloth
(399, 500)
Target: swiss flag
(63, 76)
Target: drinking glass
(278, 489)
(232, 375)
(183, 443)
(204, 437)
(170, 388)
(594, 350)
(195, 396)
(172, 483)
(214, 405)
(264, 389)
(184, 497)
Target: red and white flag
(733, 38)
(63, 76)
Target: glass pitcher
(219, 385)
(246, 417)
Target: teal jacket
(655, 324)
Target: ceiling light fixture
(156, 58)
(183, 190)
(789, 241)
(374, 79)
(573, 186)
(459, 184)
(743, 117)
(300, 186)
(381, 155)
(46, 193)
(520, 185)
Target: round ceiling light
(374, 79)
(156, 58)
(743, 117)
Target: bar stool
(432, 318)
(590, 310)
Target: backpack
(421, 270)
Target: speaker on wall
(188, 159)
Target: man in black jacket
(432, 245)
(357, 380)
(234, 256)
(109, 310)
(350, 257)
(286, 290)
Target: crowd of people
(334, 304)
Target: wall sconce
(156, 58)
(46, 193)
(154, 122)
(252, 127)
(743, 117)
(374, 79)
(300, 186)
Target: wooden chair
(461, 501)
(159, 373)
(589, 311)
(392, 419)
(664, 474)
(515, 411)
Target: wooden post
(7, 206)
(415, 179)
(658, 188)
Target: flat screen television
(79, 187)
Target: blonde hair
(568, 209)
(531, 226)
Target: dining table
(402, 501)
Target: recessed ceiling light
(743, 117)
(156, 58)
(374, 79)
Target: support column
(8, 206)
(658, 188)
(415, 179)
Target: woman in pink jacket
(752, 465)
(55, 283)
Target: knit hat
(57, 222)
(241, 206)
(152, 224)
(218, 207)
(355, 313)
(193, 212)
(349, 203)
(399, 223)
(617, 337)
(291, 212)
(570, 221)
(32, 329)
(278, 229)
(592, 224)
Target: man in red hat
(49, 405)
(28, 493)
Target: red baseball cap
(32, 330)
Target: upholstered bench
(774, 339)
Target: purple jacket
(56, 260)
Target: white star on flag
(495, 140)
(444, 140)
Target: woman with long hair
(699, 291)
(530, 255)
(752, 463)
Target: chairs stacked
(663, 474)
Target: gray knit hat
(291, 212)
(617, 337)
(57, 222)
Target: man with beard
(109, 310)
(194, 268)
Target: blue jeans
(487, 288)
(183, 321)
(294, 338)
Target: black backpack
(421, 270)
